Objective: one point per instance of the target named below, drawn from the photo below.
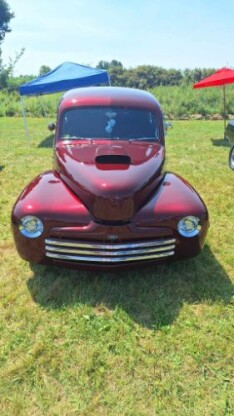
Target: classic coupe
(107, 203)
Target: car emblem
(112, 237)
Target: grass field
(157, 341)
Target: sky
(175, 34)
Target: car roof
(109, 96)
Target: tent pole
(25, 120)
(224, 107)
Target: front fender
(175, 198)
(48, 196)
(50, 199)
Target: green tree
(6, 71)
(109, 65)
(44, 69)
(103, 65)
(117, 76)
(5, 17)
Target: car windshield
(109, 123)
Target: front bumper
(102, 247)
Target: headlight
(31, 226)
(189, 226)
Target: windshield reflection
(109, 123)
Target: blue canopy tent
(64, 77)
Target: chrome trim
(181, 227)
(110, 252)
(83, 251)
(108, 260)
(81, 244)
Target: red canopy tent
(220, 78)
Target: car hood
(113, 180)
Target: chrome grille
(81, 251)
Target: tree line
(143, 76)
(151, 76)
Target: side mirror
(51, 126)
(167, 125)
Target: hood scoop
(111, 158)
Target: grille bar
(82, 244)
(82, 251)
(108, 259)
(110, 253)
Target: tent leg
(25, 119)
(225, 112)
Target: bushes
(34, 106)
(9, 104)
(176, 101)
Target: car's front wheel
(231, 157)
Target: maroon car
(107, 202)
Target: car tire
(231, 158)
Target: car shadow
(47, 142)
(220, 142)
(152, 296)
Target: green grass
(157, 341)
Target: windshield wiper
(143, 139)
